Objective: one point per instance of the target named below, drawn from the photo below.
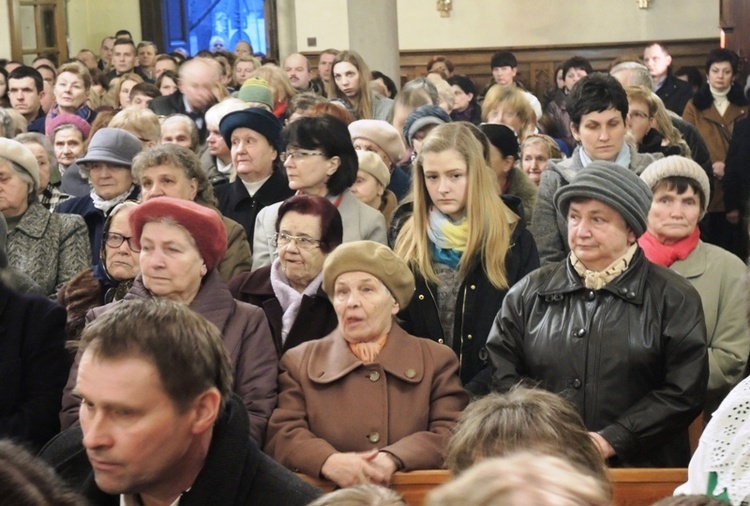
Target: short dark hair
(719, 55)
(681, 184)
(376, 74)
(577, 62)
(146, 43)
(596, 92)
(186, 349)
(503, 59)
(147, 89)
(331, 226)
(124, 42)
(465, 83)
(440, 58)
(331, 136)
(25, 71)
(660, 44)
(123, 34)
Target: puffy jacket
(631, 357)
(477, 305)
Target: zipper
(461, 348)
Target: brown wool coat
(405, 403)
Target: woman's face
(601, 134)
(504, 115)
(242, 72)
(673, 216)
(68, 146)
(639, 120)
(720, 75)
(167, 181)
(573, 76)
(560, 79)
(125, 89)
(171, 264)
(534, 160)
(168, 86)
(347, 78)
(42, 159)
(308, 170)
(122, 263)
(462, 99)
(300, 264)
(14, 192)
(70, 92)
(364, 307)
(446, 175)
(367, 189)
(252, 155)
(109, 180)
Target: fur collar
(703, 98)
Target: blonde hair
(488, 217)
(278, 81)
(553, 150)
(143, 123)
(78, 69)
(657, 111)
(513, 98)
(521, 479)
(363, 105)
(130, 76)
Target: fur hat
(256, 119)
(22, 156)
(256, 90)
(372, 164)
(373, 258)
(618, 187)
(381, 133)
(678, 166)
(421, 117)
(202, 223)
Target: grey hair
(6, 123)
(25, 177)
(639, 75)
(191, 126)
(43, 141)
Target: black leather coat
(631, 357)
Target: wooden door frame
(61, 29)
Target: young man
(159, 421)
(674, 92)
(26, 91)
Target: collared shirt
(135, 500)
(51, 196)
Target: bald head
(198, 78)
(297, 69)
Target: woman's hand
(349, 469)
(387, 465)
(718, 168)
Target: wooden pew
(631, 487)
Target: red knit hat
(202, 223)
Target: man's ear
(206, 409)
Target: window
(38, 27)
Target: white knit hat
(679, 166)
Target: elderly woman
(68, 134)
(320, 160)
(650, 124)
(216, 161)
(142, 123)
(371, 185)
(181, 243)
(49, 193)
(681, 196)
(714, 110)
(107, 164)
(71, 92)
(289, 291)
(401, 394)
(110, 279)
(621, 338)
(171, 170)
(536, 151)
(384, 140)
(50, 248)
(508, 106)
(598, 108)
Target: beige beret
(372, 164)
(373, 258)
(679, 166)
(18, 153)
(381, 133)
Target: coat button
(469, 336)
(441, 341)
(374, 375)
(591, 295)
(630, 295)
(373, 437)
(473, 287)
(579, 333)
(576, 383)
(623, 290)
(410, 373)
(421, 297)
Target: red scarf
(662, 254)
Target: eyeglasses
(638, 115)
(299, 155)
(283, 240)
(115, 240)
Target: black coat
(33, 366)
(235, 203)
(315, 319)
(630, 357)
(737, 171)
(235, 473)
(168, 105)
(675, 94)
(477, 305)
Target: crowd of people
(217, 271)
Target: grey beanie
(618, 187)
(421, 117)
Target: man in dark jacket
(674, 92)
(158, 420)
(622, 339)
